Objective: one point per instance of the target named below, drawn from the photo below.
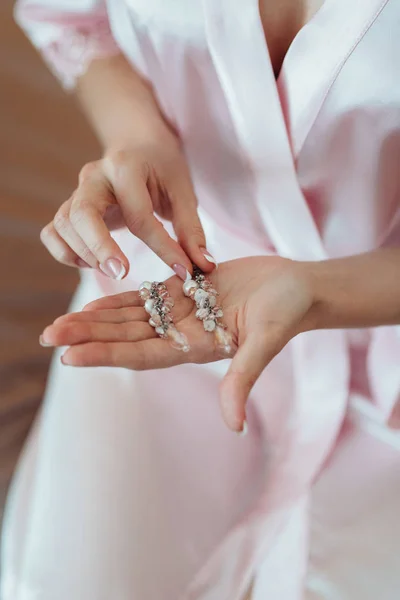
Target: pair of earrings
(158, 304)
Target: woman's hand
(127, 187)
(266, 302)
(143, 172)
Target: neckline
(311, 22)
(315, 59)
(273, 117)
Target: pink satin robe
(130, 486)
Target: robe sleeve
(68, 33)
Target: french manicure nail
(209, 256)
(65, 361)
(43, 343)
(113, 268)
(181, 271)
(244, 430)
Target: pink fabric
(130, 487)
(69, 40)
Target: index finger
(131, 190)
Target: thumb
(186, 221)
(253, 356)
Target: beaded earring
(158, 304)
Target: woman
(130, 485)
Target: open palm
(265, 300)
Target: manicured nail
(209, 256)
(43, 343)
(82, 264)
(244, 430)
(181, 271)
(113, 268)
(65, 361)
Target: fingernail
(245, 429)
(209, 256)
(65, 361)
(181, 271)
(82, 264)
(43, 343)
(113, 268)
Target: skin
(143, 173)
(281, 22)
(266, 300)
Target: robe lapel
(320, 359)
(316, 58)
(240, 55)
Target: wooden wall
(43, 142)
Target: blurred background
(44, 141)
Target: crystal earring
(200, 289)
(158, 304)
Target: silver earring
(158, 304)
(200, 289)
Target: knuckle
(118, 157)
(46, 233)
(63, 256)
(120, 165)
(114, 162)
(197, 231)
(96, 247)
(61, 221)
(86, 254)
(78, 213)
(137, 222)
(88, 170)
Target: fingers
(70, 332)
(86, 216)
(78, 230)
(122, 315)
(66, 232)
(185, 219)
(246, 367)
(143, 355)
(59, 249)
(129, 182)
(130, 187)
(125, 299)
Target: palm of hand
(264, 300)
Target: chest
(330, 124)
(282, 22)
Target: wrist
(312, 277)
(356, 291)
(153, 133)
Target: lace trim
(71, 54)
